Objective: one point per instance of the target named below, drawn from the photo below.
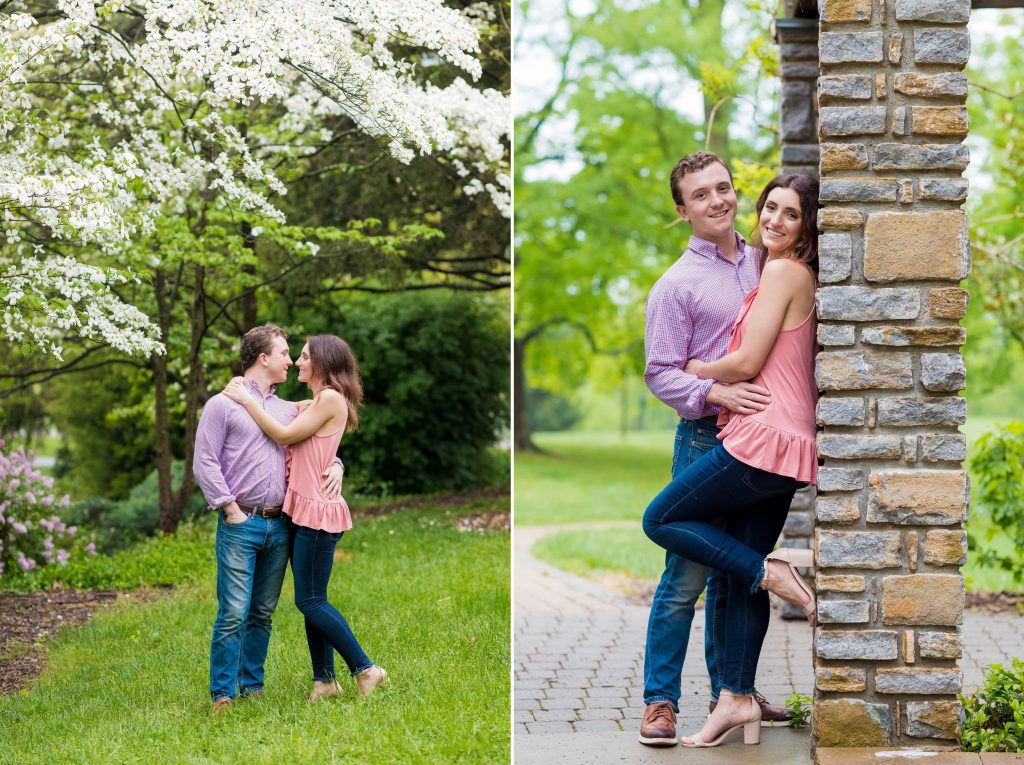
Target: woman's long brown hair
(333, 362)
(806, 188)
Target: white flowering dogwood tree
(151, 150)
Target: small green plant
(799, 707)
(994, 715)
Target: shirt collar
(254, 388)
(710, 250)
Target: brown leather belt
(711, 419)
(260, 512)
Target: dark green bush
(435, 372)
(157, 561)
(119, 524)
(994, 716)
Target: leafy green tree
(594, 216)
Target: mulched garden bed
(496, 496)
(27, 620)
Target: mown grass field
(585, 477)
(429, 603)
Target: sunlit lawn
(599, 477)
(429, 603)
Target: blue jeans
(668, 627)
(326, 629)
(753, 504)
(251, 560)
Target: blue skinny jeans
(326, 629)
(668, 626)
(750, 507)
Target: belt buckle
(260, 511)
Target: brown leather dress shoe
(223, 704)
(769, 713)
(659, 725)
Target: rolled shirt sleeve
(206, 462)
(667, 335)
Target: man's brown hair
(693, 163)
(259, 340)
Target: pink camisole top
(303, 501)
(781, 438)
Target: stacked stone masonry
(893, 495)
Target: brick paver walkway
(579, 654)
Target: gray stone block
(940, 645)
(863, 47)
(798, 525)
(798, 70)
(943, 189)
(943, 371)
(850, 86)
(841, 411)
(800, 154)
(858, 549)
(836, 334)
(842, 611)
(842, 447)
(907, 412)
(842, 508)
(840, 479)
(867, 304)
(797, 109)
(942, 46)
(879, 645)
(858, 191)
(925, 156)
(934, 719)
(944, 447)
(852, 120)
(942, 11)
(835, 256)
(798, 51)
(902, 680)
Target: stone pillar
(798, 112)
(798, 133)
(892, 495)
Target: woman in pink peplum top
(727, 509)
(329, 368)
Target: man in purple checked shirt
(242, 474)
(690, 314)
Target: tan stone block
(839, 583)
(945, 548)
(908, 647)
(880, 89)
(861, 370)
(931, 85)
(918, 497)
(948, 303)
(906, 192)
(841, 679)
(843, 156)
(934, 719)
(923, 599)
(906, 245)
(838, 217)
(903, 336)
(851, 722)
(895, 48)
(939, 120)
(837, 11)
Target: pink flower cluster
(32, 535)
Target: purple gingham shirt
(234, 459)
(691, 310)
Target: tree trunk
(522, 442)
(162, 418)
(249, 306)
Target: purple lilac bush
(32, 533)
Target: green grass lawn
(599, 477)
(427, 602)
